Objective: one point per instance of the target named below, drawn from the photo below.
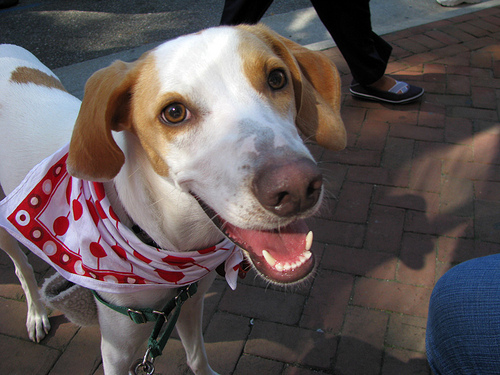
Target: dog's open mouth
(282, 256)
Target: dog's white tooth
(309, 240)
(308, 255)
(287, 266)
(279, 266)
(269, 258)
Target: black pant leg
(349, 24)
(236, 12)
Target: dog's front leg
(37, 322)
(121, 339)
(189, 327)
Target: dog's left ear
(93, 153)
(316, 84)
(318, 112)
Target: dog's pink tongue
(282, 244)
(283, 255)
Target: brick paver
(415, 192)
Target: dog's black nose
(288, 188)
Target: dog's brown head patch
(29, 75)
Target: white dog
(196, 141)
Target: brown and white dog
(197, 140)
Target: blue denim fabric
(463, 328)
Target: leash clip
(143, 366)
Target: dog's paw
(37, 323)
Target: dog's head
(218, 114)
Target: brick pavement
(415, 192)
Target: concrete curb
(303, 26)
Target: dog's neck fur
(169, 215)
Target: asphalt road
(64, 32)
(77, 37)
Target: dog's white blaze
(215, 62)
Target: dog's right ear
(93, 153)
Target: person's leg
(236, 12)
(366, 54)
(349, 24)
(463, 328)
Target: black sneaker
(408, 93)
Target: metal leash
(143, 366)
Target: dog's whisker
(132, 173)
(157, 202)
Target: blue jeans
(463, 328)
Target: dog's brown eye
(277, 79)
(174, 113)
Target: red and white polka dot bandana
(70, 224)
